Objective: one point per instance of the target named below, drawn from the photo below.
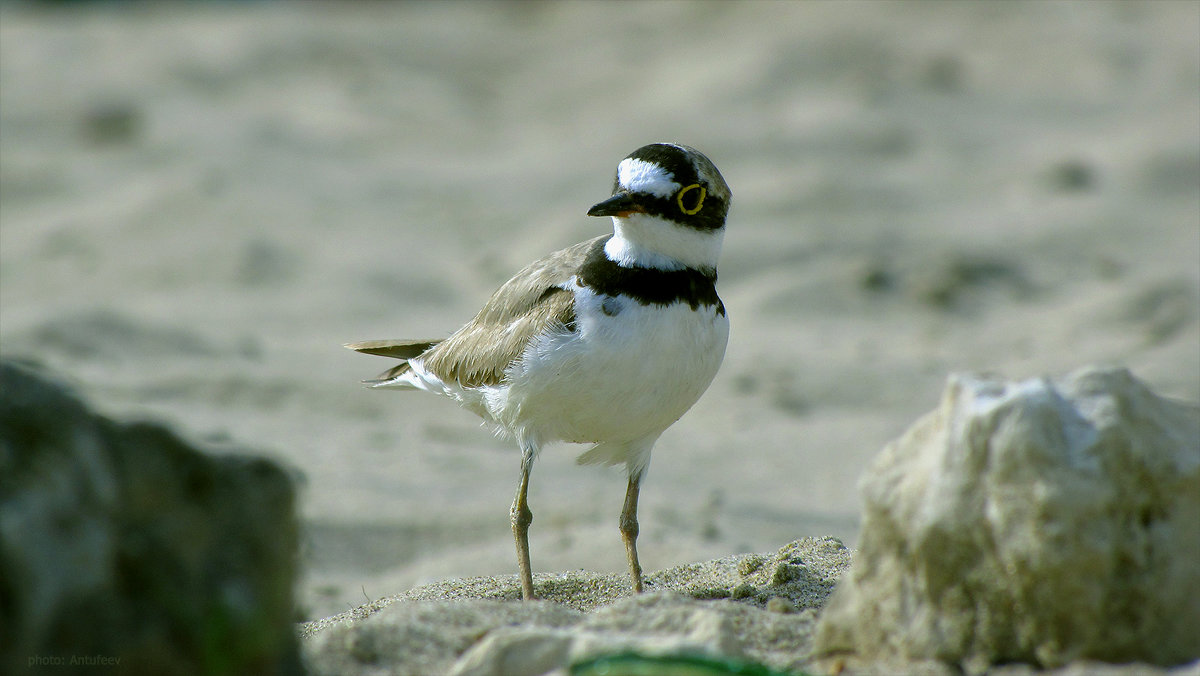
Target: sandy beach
(200, 203)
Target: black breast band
(649, 285)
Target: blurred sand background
(200, 202)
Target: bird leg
(521, 518)
(629, 531)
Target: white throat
(646, 241)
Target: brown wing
(532, 302)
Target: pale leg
(521, 518)
(629, 531)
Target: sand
(200, 203)
(759, 608)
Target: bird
(607, 342)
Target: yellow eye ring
(699, 200)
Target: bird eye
(691, 198)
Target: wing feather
(534, 301)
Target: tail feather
(396, 349)
(391, 377)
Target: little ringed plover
(607, 342)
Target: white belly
(627, 373)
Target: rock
(1092, 668)
(659, 626)
(423, 637)
(1041, 522)
(512, 638)
(518, 651)
(124, 548)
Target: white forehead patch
(637, 175)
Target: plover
(606, 342)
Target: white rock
(533, 651)
(1035, 521)
(516, 651)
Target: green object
(636, 664)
